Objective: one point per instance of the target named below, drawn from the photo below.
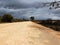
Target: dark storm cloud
(22, 3)
(21, 9)
(12, 4)
(19, 4)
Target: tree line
(9, 18)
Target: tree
(7, 18)
(32, 18)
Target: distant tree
(32, 18)
(7, 18)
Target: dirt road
(26, 33)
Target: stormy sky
(27, 8)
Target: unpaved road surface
(26, 33)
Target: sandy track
(26, 33)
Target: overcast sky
(27, 8)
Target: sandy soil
(27, 33)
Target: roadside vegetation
(8, 18)
(54, 24)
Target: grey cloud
(12, 4)
(24, 10)
(40, 13)
(19, 4)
